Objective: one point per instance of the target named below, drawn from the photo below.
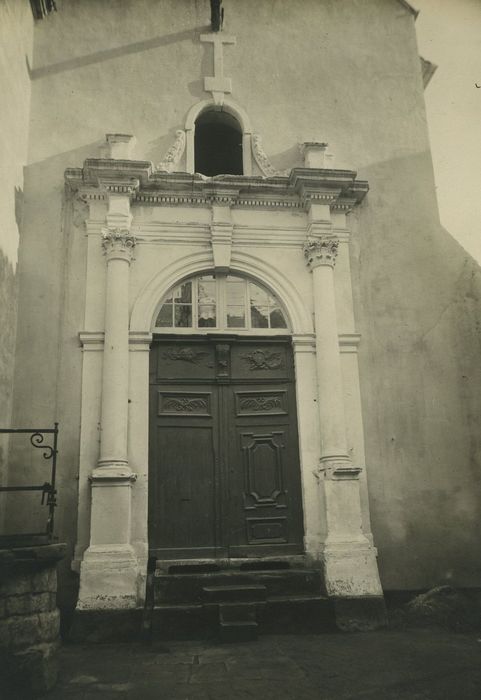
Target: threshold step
(234, 594)
(178, 606)
(296, 598)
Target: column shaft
(329, 377)
(115, 381)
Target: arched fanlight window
(223, 302)
(218, 144)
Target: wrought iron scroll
(36, 440)
(47, 489)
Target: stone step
(188, 587)
(291, 582)
(238, 612)
(235, 593)
(296, 614)
(232, 632)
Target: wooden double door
(224, 477)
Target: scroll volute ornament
(321, 251)
(175, 152)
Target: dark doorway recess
(224, 462)
(218, 144)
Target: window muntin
(177, 308)
(206, 302)
(223, 302)
(236, 301)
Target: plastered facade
(343, 73)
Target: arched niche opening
(218, 144)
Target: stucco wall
(16, 38)
(345, 72)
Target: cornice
(109, 170)
(302, 187)
(94, 340)
(304, 343)
(127, 185)
(91, 340)
(139, 341)
(349, 342)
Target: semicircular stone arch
(229, 106)
(148, 302)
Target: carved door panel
(224, 467)
(264, 490)
(183, 476)
(184, 436)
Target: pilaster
(138, 445)
(304, 348)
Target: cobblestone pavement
(384, 665)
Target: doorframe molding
(301, 329)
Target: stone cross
(218, 84)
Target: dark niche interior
(218, 144)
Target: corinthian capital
(321, 251)
(118, 242)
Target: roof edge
(409, 7)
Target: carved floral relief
(194, 357)
(263, 359)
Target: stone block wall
(29, 618)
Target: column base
(352, 582)
(350, 570)
(112, 469)
(109, 576)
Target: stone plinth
(120, 146)
(29, 618)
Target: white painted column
(118, 245)
(321, 255)
(109, 573)
(349, 560)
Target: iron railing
(47, 489)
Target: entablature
(302, 187)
